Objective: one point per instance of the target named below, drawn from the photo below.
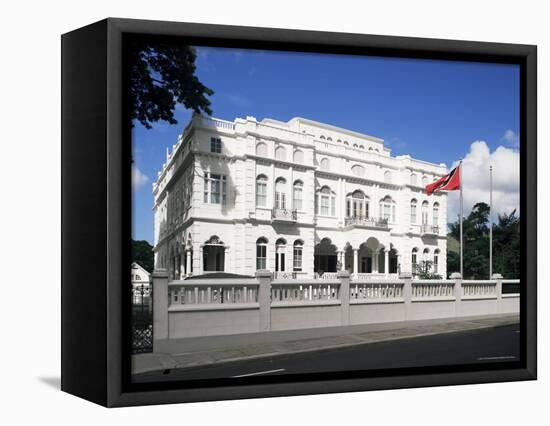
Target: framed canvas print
(253, 212)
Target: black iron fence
(142, 319)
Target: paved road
(496, 344)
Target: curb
(216, 363)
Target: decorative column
(355, 261)
(373, 258)
(226, 259)
(200, 256)
(341, 260)
(406, 277)
(387, 263)
(188, 262)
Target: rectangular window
(216, 145)
(261, 255)
(261, 194)
(297, 258)
(325, 201)
(298, 198)
(413, 214)
(333, 206)
(436, 261)
(215, 188)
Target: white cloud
(475, 179)
(511, 138)
(138, 178)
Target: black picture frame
(96, 210)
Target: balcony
(366, 222)
(284, 215)
(429, 230)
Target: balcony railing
(429, 230)
(285, 215)
(367, 222)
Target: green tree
(506, 244)
(142, 253)
(424, 270)
(162, 75)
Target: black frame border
(109, 378)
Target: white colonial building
(300, 198)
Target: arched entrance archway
(213, 255)
(325, 257)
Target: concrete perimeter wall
(201, 307)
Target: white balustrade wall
(208, 307)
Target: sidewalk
(242, 347)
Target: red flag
(450, 182)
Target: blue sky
(432, 110)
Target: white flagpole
(490, 222)
(461, 214)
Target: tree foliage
(506, 244)
(423, 270)
(162, 75)
(142, 253)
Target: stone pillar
(264, 299)
(407, 293)
(498, 289)
(160, 307)
(458, 292)
(341, 259)
(201, 260)
(344, 278)
(387, 263)
(355, 261)
(188, 262)
(373, 258)
(226, 266)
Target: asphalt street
(487, 345)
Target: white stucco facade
(299, 198)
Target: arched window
(298, 189)
(322, 137)
(329, 139)
(357, 205)
(297, 255)
(358, 170)
(261, 254)
(370, 148)
(425, 254)
(355, 145)
(261, 191)
(325, 164)
(298, 157)
(387, 209)
(280, 153)
(261, 149)
(339, 141)
(280, 255)
(413, 211)
(414, 258)
(346, 143)
(387, 176)
(413, 179)
(361, 146)
(436, 261)
(326, 202)
(376, 149)
(424, 180)
(424, 213)
(280, 193)
(436, 214)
